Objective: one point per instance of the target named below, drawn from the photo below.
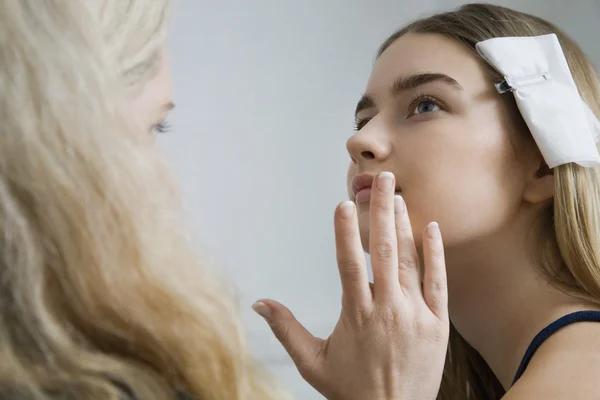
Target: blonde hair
(569, 232)
(101, 294)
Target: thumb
(299, 343)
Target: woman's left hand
(391, 339)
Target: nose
(369, 144)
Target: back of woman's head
(100, 292)
(568, 234)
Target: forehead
(418, 53)
(148, 100)
(159, 87)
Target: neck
(499, 300)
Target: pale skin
(152, 102)
(454, 162)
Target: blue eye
(426, 106)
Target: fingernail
(398, 204)
(385, 181)
(347, 208)
(433, 230)
(262, 309)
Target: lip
(362, 185)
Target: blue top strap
(579, 316)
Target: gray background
(265, 92)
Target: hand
(391, 339)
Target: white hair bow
(536, 71)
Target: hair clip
(536, 72)
(511, 85)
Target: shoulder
(566, 367)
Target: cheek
(471, 185)
(466, 208)
(466, 179)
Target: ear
(540, 184)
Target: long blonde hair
(101, 294)
(568, 232)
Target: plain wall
(265, 93)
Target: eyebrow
(402, 84)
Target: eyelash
(360, 123)
(162, 127)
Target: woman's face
(152, 103)
(432, 116)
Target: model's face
(432, 117)
(152, 103)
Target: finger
(408, 258)
(351, 257)
(298, 342)
(435, 285)
(382, 237)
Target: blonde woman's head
(101, 294)
(134, 32)
(465, 158)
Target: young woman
(508, 167)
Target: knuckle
(361, 319)
(438, 331)
(382, 204)
(435, 303)
(351, 277)
(438, 287)
(404, 232)
(344, 229)
(384, 250)
(350, 318)
(432, 329)
(347, 302)
(354, 314)
(437, 254)
(421, 328)
(350, 267)
(281, 331)
(436, 251)
(388, 317)
(407, 262)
